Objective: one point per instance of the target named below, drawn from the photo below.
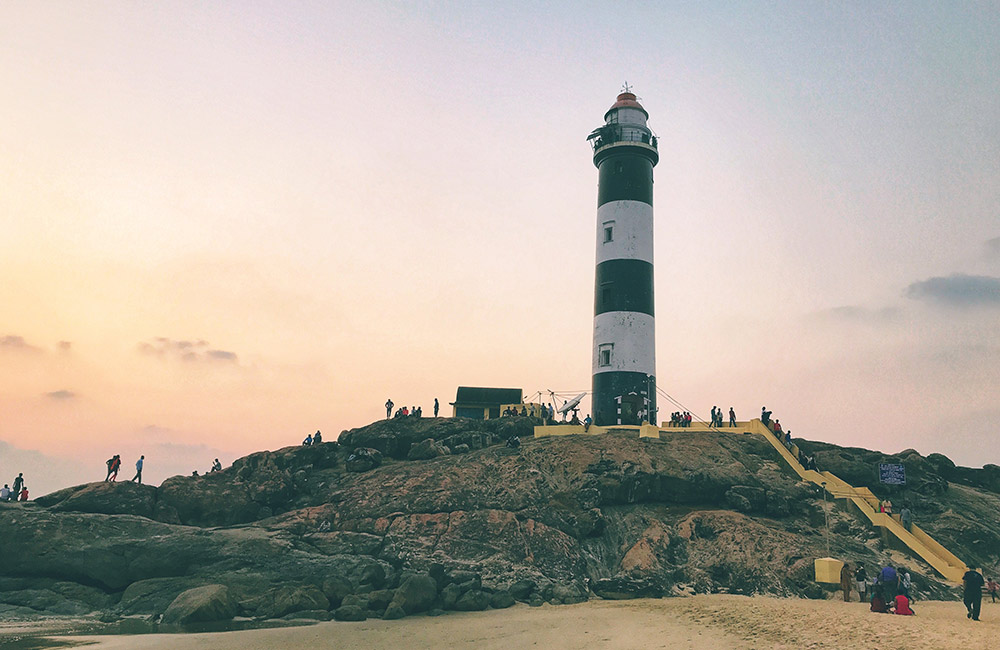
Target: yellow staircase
(918, 541)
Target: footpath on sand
(696, 623)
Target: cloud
(185, 350)
(17, 343)
(61, 395)
(957, 290)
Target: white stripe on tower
(632, 336)
(631, 224)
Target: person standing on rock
(138, 470)
(388, 408)
(732, 417)
(845, 581)
(116, 463)
(18, 484)
(436, 407)
(973, 596)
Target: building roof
(476, 395)
(626, 100)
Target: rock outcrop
(314, 532)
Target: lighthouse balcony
(608, 136)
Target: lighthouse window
(609, 233)
(604, 354)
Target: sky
(224, 226)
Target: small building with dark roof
(483, 403)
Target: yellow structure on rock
(828, 569)
(919, 542)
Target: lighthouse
(624, 355)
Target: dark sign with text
(891, 474)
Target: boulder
(109, 498)
(363, 459)
(427, 449)
(153, 596)
(393, 612)
(501, 600)
(450, 595)
(568, 593)
(416, 594)
(623, 588)
(289, 599)
(522, 589)
(379, 599)
(350, 613)
(309, 615)
(201, 605)
(335, 589)
(473, 601)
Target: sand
(697, 623)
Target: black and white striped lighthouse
(624, 361)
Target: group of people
(311, 439)
(680, 419)
(18, 493)
(891, 589)
(717, 417)
(405, 411)
(114, 464)
(511, 412)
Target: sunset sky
(226, 225)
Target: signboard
(891, 474)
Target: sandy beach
(700, 622)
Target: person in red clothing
(902, 606)
(24, 494)
(116, 464)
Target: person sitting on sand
(902, 606)
(878, 602)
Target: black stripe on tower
(624, 285)
(609, 386)
(625, 177)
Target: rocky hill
(413, 515)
